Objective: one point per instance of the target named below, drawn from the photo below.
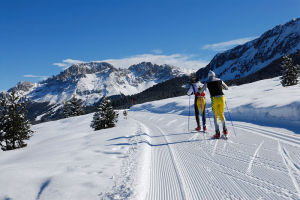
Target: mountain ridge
(93, 80)
(254, 55)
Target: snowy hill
(265, 101)
(256, 54)
(152, 155)
(91, 81)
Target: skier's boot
(204, 128)
(217, 135)
(225, 133)
(198, 128)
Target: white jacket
(194, 88)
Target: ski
(222, 137)
(195, 131)
(195, 134)
(225, 137)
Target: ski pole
(230, 118)
(209, 117)
(189, 113)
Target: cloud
(226, 45)
(67, 62)
(72, 62)
(35, 76)
(60, 64)
(189, 62)
(157, 51)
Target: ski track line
(166, 187)
(215, 147)
(229, 176)
(259, 182)
(218, 179)
(271, 164)
(270, 131)
(180, 180)
(294, 166)
(171, 122)
(224, 146)
(268, 185)
(253, 157)
(284, 138)
(289, 165)
(225, 176)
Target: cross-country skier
(199, 102)
(215, 87)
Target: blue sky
(40, 38)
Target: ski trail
(224, 146)
(244, 168)
(171, 122)
(215, 148)
(293, 165)
(229, 177)
(178, 174)
(165, 181)
(194, 136)
(253, 158)
(289, 165)
(292, 140)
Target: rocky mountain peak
(23, 86)
(91, 81)
(254, 55)
(81, 69)
(148, 70)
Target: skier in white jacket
(199, 102)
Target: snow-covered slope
(257, 54)
(154, 156)
(265, 101)
(91, 81)
(66, 159)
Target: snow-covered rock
(91, 81)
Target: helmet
(211, 74)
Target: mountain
(91, 81)
(257, 54)
(152, 154)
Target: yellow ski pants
(201, 104)
(218, 106)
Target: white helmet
(211, 74)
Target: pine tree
(73, 107)
(15, 128)
(105, 117)
(66, 109)
(125, 113)
(290, 72)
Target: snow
(153, 155)
(64, 159)
(91, 81)
(265, 101)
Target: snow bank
(66, 159)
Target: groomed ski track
(258, 163)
